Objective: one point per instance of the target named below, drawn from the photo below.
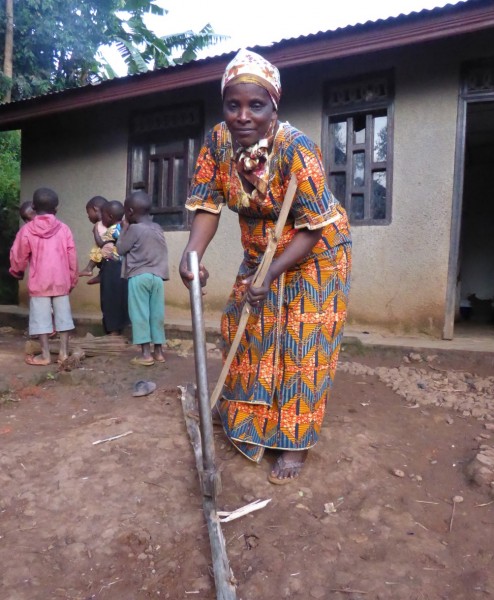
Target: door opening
(475, 283)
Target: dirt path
(371, 517)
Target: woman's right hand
(187, 276)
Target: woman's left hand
(298, 249)
(257, 295)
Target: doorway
(474, 309)
(470, 285)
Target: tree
(9, 46)
(55, 43)
(10, 150)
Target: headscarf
(249, 67)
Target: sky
(260, 23)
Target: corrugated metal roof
(371, 36)
(389, 19)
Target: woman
(277, 387)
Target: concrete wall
(85, 154)
(400, 269)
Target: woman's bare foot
(288, 466)
(39, 360)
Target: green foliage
(10, 148)
(56, 42)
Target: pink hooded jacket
(47, 246)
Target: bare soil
(370, 518)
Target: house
(403, 109)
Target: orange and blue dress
(278, 384)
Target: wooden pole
(223, 577)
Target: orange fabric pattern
(278, 385)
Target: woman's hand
(187, 276)
(297, 250)
(256, 295)
(203, 228)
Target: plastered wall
(400, 270)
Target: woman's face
(248, 112)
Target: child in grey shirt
(143, 246)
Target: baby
(93, 209)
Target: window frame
(172, 126)
(350, 104)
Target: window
(358, 144)
(163, 150)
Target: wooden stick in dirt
(203, 440)
(223, 576)
(258, 280)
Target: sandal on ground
(145, 362)
(160, 359)
(143, 388)
(37, 360)
(293, 467)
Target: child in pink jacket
(47, 246)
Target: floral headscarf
(249, 67)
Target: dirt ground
(370, 518)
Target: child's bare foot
(39, 360)
(62, 358)
(94, 280)
(85, 273)
(159, 356)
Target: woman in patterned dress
(279, 381)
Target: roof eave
(350, 41)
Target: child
(93, 209)
(26, 211)
(47, 246)
(143, 246)
(113, 290)
(27, 214)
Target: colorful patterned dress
(279, 381)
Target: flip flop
(30, 359)
(285, 465)
(143, 388)
(145, 362)
(160, 360)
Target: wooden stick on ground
(223, 576)
(113, 437)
